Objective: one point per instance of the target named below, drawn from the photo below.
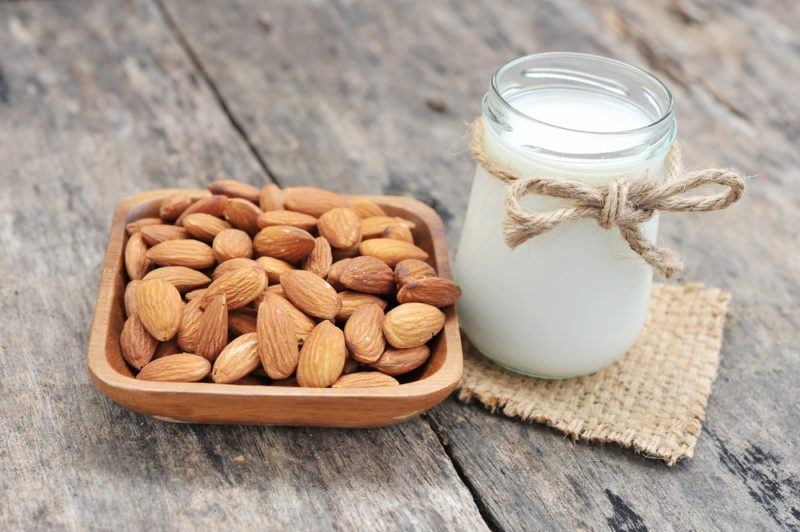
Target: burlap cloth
(652, 400)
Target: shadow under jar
(572, 300)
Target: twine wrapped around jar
(624, 202)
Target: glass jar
(572, 300)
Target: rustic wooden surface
(101, 99)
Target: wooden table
(100, 99)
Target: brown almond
(350, 366)
(271, 198)
(363, 333)
(235, 189)
(352, 300)
(284, 242)
(155, 234)
(212, 205)
(311, 294)
(365, 208)
(275, 289)
(242, 214)
(335, 273)
(194, 294)
(320, 259)
(190, 323)
(159, 306)
(189, 253)
(322, 357)
(277, 343)
(204, 226)
(435, 291)
(136, 225)
(240, 286)
(166, 349)
(239, 358)
(311, 200)
(365, 379)
(391, 251)
(291, 218)
(181, 277)
(303, 325)
(396, 362)
(212, 334)
(241, 322)
(232, 244)
(130, 297)
(398, 232)
(233, 264)
(176, 368)
(341, 227)
(173, 206)
(374, 226)
(412, 324)
(138, 345)
(274, 268)
(339, 254)
(136, 261)
(409, 269)
(369, 275)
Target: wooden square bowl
(275, 405)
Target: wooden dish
(275, 405)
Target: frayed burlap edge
(652, 400)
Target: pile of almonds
(337, 294)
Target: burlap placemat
(652, 400)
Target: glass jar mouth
(665, 113)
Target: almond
(239, 358)
(365, 208)
(311, 200)
(213, 205)
(398, 232)
(136, 261)
(235, 189)
(352, 300)
(320, 259)
(155, 234)
(271, 197)
(277, 343)
(409, 269)
(341, 227)
(241, 322)
(374, 226)
(232, 244)
(242, 214)
(396, 362)
(137, 345)
(212, 334)
(412, 324)
(130, 297)
(136, 225)
(291, 218)
(350, 366)
(181, 277)
(369, 275)
(159, 306)
(365, 379)
(190, 253)
(322, 357)
(311, 294)
(339, 254)
(233, 264)
(190, 324)
(274, 268)
(194, 294)
(284, 242)
(363, 333)
(176, 368)
(166, 349)
(335, 273)
(435, 291)
(391, 251)
(173, 206)
(303, 325)
(204, 226)
(240, 286)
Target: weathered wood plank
(335, 94)
(97, 101)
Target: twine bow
(624, 202)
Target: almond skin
(339, 254)
(190, 324)
(159, 306)
(176, 368)
(137, 345)
(352, 300)
(396, 362)
(363, 333)
(291, 218)
(284, 242)
(398, 232)
(136, 225)
(412, 269)
(194, 294)
(239, 358)
(320, 259)
(240, 286)
(365, 379)
(374, 226)
(204, 226)
(311, 294)
(391, 251)
(242, 214)
(435, 291)
(235, 189)
(130, 297)
(311, 200)
(155, 234)
(213, 205)
(136, 261)
(241, 322)
(303, 325)
(365, 208)
(274, 268)
(335, 274)
(232, 244)
(233, 264)
(166, 349)
(322, 357)
(189, 253)
(212, 334)
(181, 277)
(276, 289)
(341, 227)
(277, 343)
(173, 206)
(271, 198)
(412, 324)
(369, 275)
